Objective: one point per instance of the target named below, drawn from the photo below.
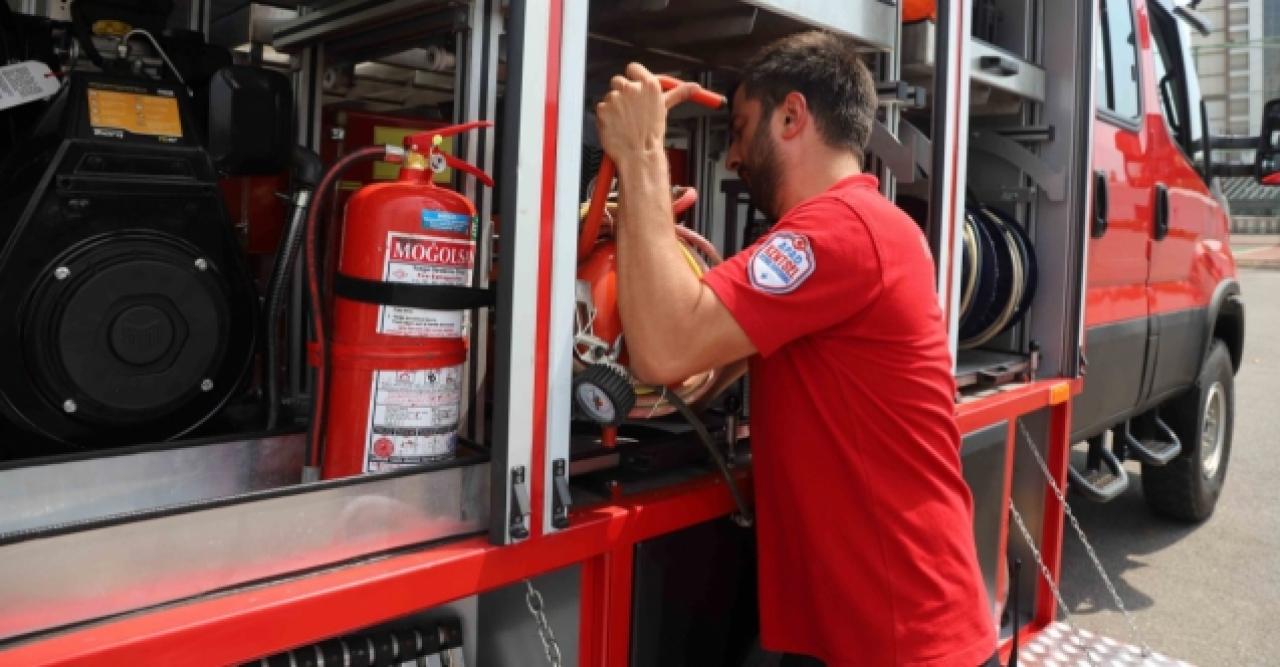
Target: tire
(1187, 488)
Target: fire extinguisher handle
(423, 142)
(463, 165)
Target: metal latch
(561, 499)
(901, 92)
(519, 504)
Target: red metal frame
(244, 624)
(551, 112)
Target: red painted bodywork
(1131, 274)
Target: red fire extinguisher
(389, 380)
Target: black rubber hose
(319, 400)
(743, 516)
(307, 170)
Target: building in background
(1239, 68)
(1231, 62)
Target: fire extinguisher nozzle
(394, 154)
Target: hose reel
(999, 273)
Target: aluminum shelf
(998, 77)
(720, 34)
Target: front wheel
(1188, 487)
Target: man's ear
(794, 115)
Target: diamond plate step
(1057, 646)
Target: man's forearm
(656, 289)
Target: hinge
(561, 499)
(518, 527)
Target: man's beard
(760, 171)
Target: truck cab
(1164, 319)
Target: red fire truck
(167, 413)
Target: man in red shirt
(864, 532)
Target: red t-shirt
(866, 548)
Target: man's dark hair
(827, 70)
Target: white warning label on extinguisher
(413, 417)
(426, 259)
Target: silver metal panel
(481, 60)
(76, 576)
(573, 69)
(1028, 82)
(1062, 224)
(919, 58)
(872, 22)
(39, 496)
(343, 17)
(955, 141)
(253, 22)
(918, 41)
(517, 411)
(508, 634)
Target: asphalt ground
(1208, 594)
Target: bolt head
(69, 406)
(202, 264)
(62, 273)
(206, 385)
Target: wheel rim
(1212, 430)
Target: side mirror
(1266, 160)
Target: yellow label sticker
(153, 115)
(110, 28)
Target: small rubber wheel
(1187, 488)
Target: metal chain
(1093, 555)
(533, 600)
(1053, 586)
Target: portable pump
(128, 315)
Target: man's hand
(632, 119)
(675, 326)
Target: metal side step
(1154, 451)
(1104, 477)
(1058, 646)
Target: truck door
(1116, 301)
(1186, 219)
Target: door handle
(1100, 204)
(1162, 212)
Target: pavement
(1260, 251)
(1208, 594)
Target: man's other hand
(632, 118)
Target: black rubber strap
(432, 297)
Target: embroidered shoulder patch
(782, 263)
